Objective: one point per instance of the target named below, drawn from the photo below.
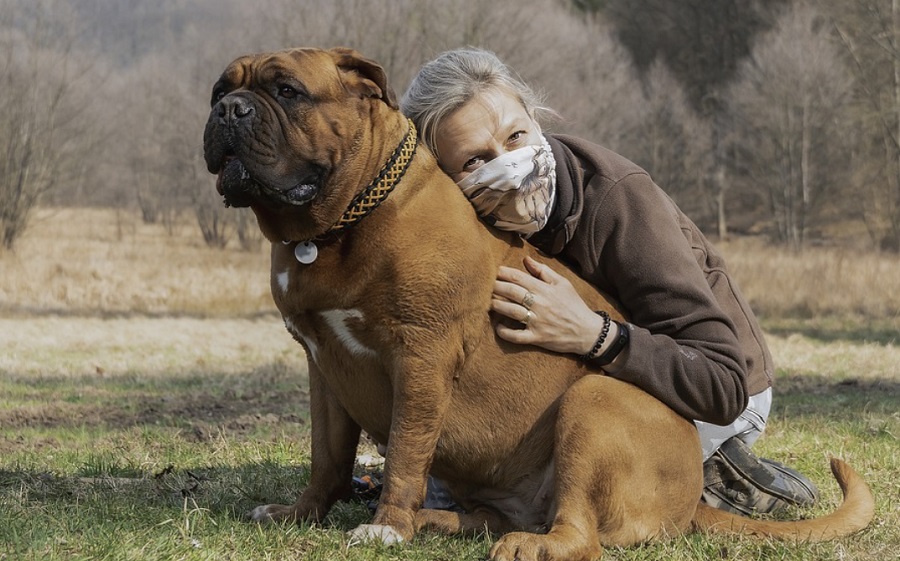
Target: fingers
(535, 271)
(544, 272)
(517, 336)
(544, 307)
(518, 277)
(541, 271)
(511, 310)
(510, 291)
(515, 293)
(515, 285)
(520, 335)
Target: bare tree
(702, 42)
(164, 101)
(787, 103)
(156, 145)
(44, 130)
(674, 144)
(869, 31)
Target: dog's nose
(234, 108)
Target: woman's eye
(473, 163)
(517, 136)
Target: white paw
(374, 533)
(260, 514)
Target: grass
(143, 428)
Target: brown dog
(384, 274)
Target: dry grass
(66, 347)
(816, 282)
(838, 360)
(100, 262)
(89, 262)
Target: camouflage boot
(735, 480)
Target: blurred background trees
(869, 32)
(768, 117)
(787, 102)
(46, 112)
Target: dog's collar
(370, 197)
(388, 178)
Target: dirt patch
(201, 377)
(177, 411)
(202, 416)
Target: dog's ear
(365, 75)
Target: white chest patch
(337, 321)
(283, 279)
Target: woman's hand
(554, 317)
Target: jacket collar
(570, 180)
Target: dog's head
(283, 125)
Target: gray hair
(453, 79)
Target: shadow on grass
(848, 399)
(830, 330)
(195, 400)
(225, 492)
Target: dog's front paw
(520, 546)
(374, 533)
(272, 513)
(564, 543)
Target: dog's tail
(853, 514)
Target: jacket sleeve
(683, 348)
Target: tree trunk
(893, 242)
(805, 187)
(719, 176)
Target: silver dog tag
(306, 252)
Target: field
(149, 396)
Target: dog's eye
(287, 92)
(217, 96)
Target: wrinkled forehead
(314, 68)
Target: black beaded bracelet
(600, 339)
(617, 346)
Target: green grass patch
(164, 464)
(854, 328)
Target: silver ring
(528, 300)
(528, 317)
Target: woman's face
(493, 123)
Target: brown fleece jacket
(695, 344)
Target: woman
(692, 340)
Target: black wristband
(617, 346)
(600, 339)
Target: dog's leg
(334, 440)
(449, 522)
(421, 396)
(628, 469)
(573, 534)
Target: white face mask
(515, 190)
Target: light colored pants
(748, 426)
